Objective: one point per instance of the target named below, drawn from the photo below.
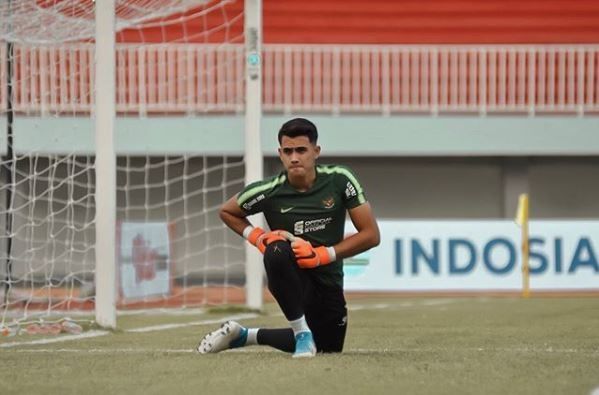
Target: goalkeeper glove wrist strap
(251, 234)
(246, 232)
(332, 254)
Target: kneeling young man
(306, 204)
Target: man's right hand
(261, 239)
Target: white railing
(150, 79)
(190, 78)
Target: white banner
(144, 260)
(477, 256)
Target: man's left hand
(309, 257)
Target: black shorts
(325, 311)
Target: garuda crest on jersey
(328, 202)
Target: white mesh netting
(179, 63)
(57, 21)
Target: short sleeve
(253, 197)
(353, 193)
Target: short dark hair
(299, 127)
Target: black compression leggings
(284, 281)
(297, 295)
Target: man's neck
(302, 184)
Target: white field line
(163, 327)
(91, 334)
(195, 323)
(426, 303)
(49, 340)
(358, 307)
(436, 302)
(163, 311)
(515, 350)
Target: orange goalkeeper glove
(261, 239)
(309, 257)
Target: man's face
(298, 155)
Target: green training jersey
(316, 215)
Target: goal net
(179, 82)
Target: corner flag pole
(522, 220)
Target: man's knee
(278, 255)
(330, 339)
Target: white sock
(299, 325)
(252, 339)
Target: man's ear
(317, 149)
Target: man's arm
(368, 235)
(233, 216)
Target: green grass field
(394, 345)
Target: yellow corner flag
(522, 221)
(522, 213)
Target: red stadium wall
(395, 22)
(431, 21)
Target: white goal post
(106, 291)
(253, 147)
(97, 227)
